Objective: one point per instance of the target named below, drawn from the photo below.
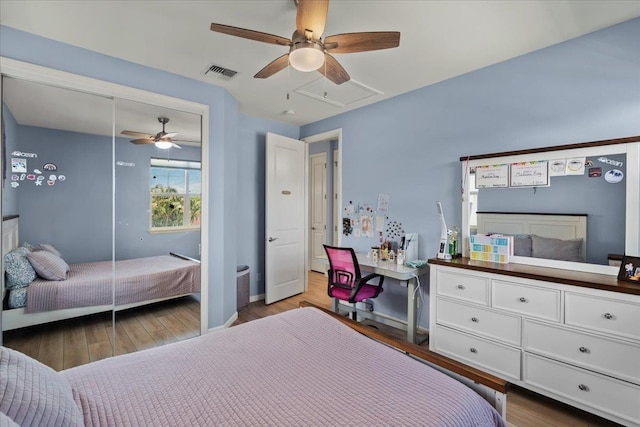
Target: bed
(300, 367)
(96, 287)
(550, 236)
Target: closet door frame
(49, 76)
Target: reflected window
(175, 187)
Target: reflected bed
(88, 288)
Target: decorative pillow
(18, 297)
(563, 250)
(48, 265)
(6, 421)
(19, 271)
(522, 245)
(29, 246)
(33, 394)
(49, 248)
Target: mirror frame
(629, 146)
(49, 76)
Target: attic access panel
(339, 95)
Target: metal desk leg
(412, 309)
(334, 305)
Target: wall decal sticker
(49, 167)
(614, 176)
(15, 184)
(61, 177)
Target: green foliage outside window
(171, 207)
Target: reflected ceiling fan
(161, 139)
(307, 50)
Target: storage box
(493, 248)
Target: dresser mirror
(586, 218)
(111, 219)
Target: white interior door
(285, 218)
(318, 210)
(337, 223)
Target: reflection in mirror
(595, 193)
(157, 227)
(56, 205)
(587, 214)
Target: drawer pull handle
(584, 350)
(608, 316)
(583, 387)
(461, 287)
(473, 350)
(522, 299)
(474, 319)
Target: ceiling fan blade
(168, 136)
(335, 72)
(361, 42)
(250, 34)
(273, 67)
(174, 145)
(312, 16)
(143, 141)
(136, 134)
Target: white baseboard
(385, 319)
(254, 298)
(227, 324)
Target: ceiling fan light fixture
(164, 145)
(306, 56)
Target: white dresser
(574, 340)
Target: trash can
(242, 284)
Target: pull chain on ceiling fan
(307, 50)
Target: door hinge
(325, 165)
(325, 227)
(325, 197)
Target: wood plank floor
(524, 408)
(73, 342)
(69, 343)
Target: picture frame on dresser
(630, 269)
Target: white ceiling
(440, 40)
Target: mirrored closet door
(157, 229)
(90, 223)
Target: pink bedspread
(297, 368)
(136, 280)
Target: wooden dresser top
(556, 275)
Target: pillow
(17, 297)
(29, 246)
(19, 271)
(33, 394)
(522, 245)
(563, 250)
(47, 247)
(48, 266)
(6, 421)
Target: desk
(406, 277)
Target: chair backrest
(344, 268)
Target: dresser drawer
(461, 286)
(481, 353)
(612, 316)
(526, 300)
(608, 356)
(479, 320)
(597, 391)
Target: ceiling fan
(161, 139)
(307, 50)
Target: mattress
(301, 367)
(136, 280)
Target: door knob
(271, 239)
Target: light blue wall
(251, 193)
(9, 198)
(409, 146)
(223, 132)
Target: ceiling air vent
(219, 72)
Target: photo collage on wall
(363, 221)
